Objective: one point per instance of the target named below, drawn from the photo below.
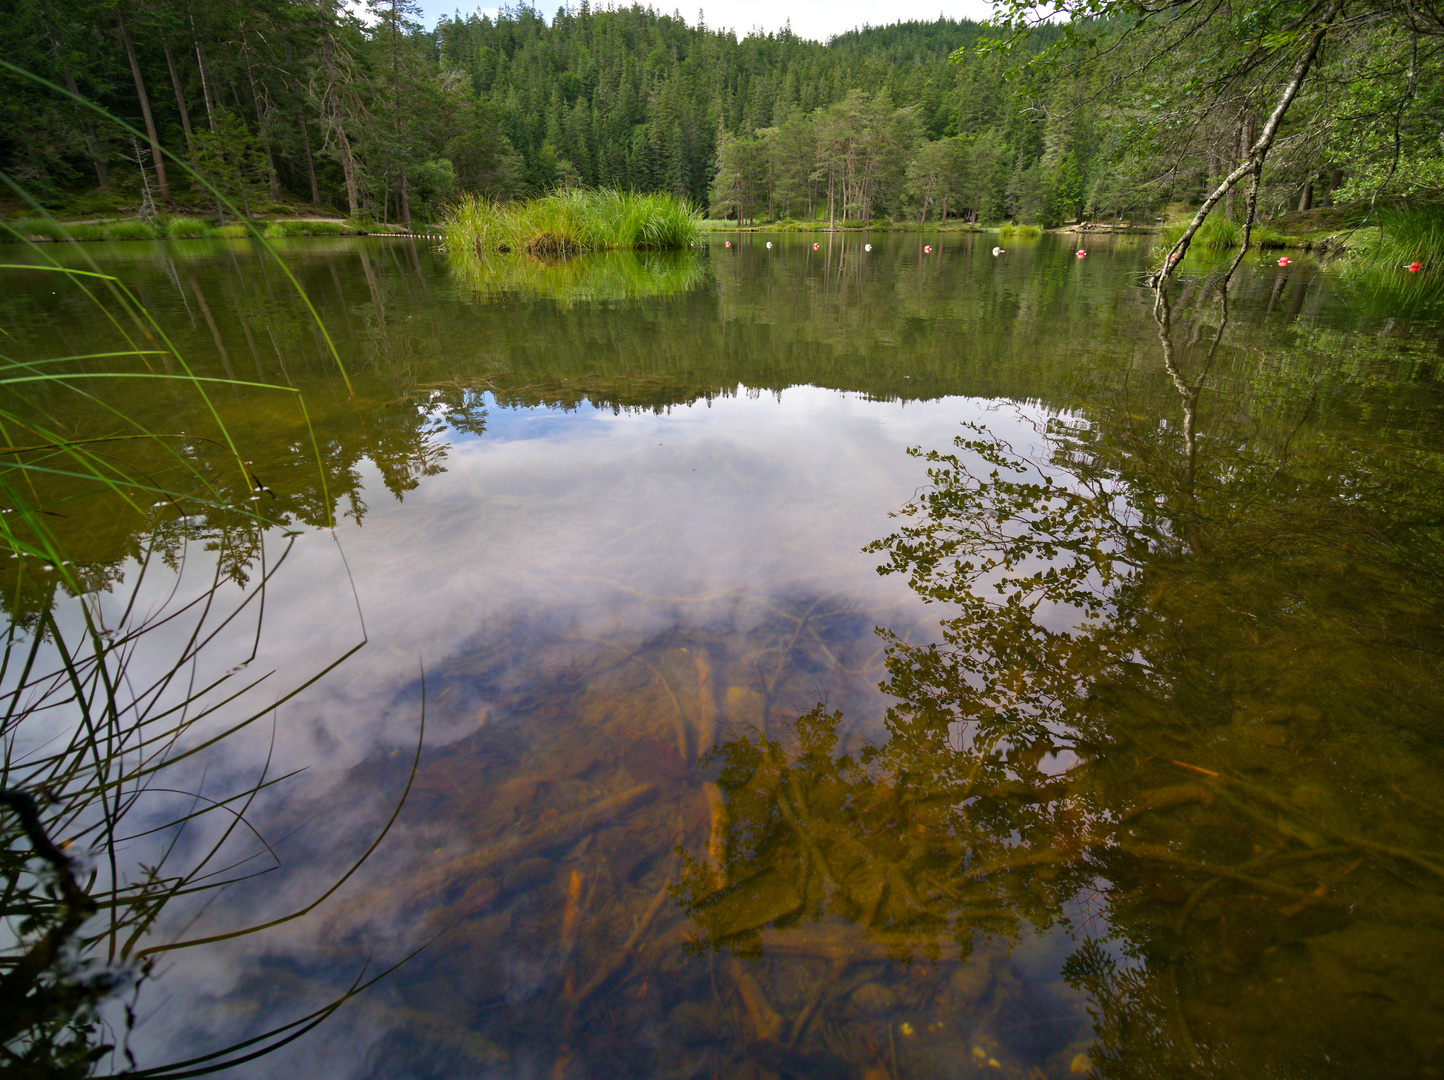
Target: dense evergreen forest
(375, 115)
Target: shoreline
(898, 226)
(127, 229)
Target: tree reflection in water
(1177, 707)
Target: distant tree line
(376, 115)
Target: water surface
(834, 663)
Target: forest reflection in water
(1152, 788)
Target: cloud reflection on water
(587, 524)
(613, 525)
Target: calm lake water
(837, 663)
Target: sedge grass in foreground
(573, 222)
(106, 732)
(106, 728)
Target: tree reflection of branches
(1137, 698)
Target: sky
(816, 19)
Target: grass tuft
(1376, 269)
(34, 228)
(1266, 237)
(187, 228)
(173, 227)
(1216, 232)
(278, 230)
(1408, 235)
(572, 222)
(128, 230)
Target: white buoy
(998, 251)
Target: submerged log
(624, 954)
(557, 833)
(765, 1019)
(563, 830)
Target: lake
(759, 662)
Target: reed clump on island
(572, 222)
(1218, 233)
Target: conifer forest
(365, 112)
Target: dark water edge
(1127, 766)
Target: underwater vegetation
(1234, 853)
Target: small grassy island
(573, 222)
